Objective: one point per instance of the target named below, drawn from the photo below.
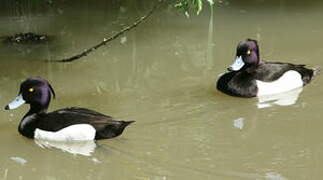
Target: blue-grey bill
(18, 101)
(237, 64)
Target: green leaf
(199, 6)
(188, 6)
(211, 2)
(178, 5)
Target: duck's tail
(126, 123)
(122, 126)
(112, 130)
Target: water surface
(162, 74)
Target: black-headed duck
(67, 124)
(250, 76)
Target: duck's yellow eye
(248, 52)
(31, 89)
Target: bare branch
(105, 41)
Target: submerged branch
(105, 41)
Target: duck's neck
(37, 108)
(28, 124)
(251, 68)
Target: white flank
(288, 81)
(78, 132)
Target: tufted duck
(249, 76)
(68, 124)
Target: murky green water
(162, 74)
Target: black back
(106, 126)
(271, 71)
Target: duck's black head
(35, 91)
(247, 55)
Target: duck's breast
(288, 81)
(77, 132)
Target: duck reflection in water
(282, 99)
(85, 148)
